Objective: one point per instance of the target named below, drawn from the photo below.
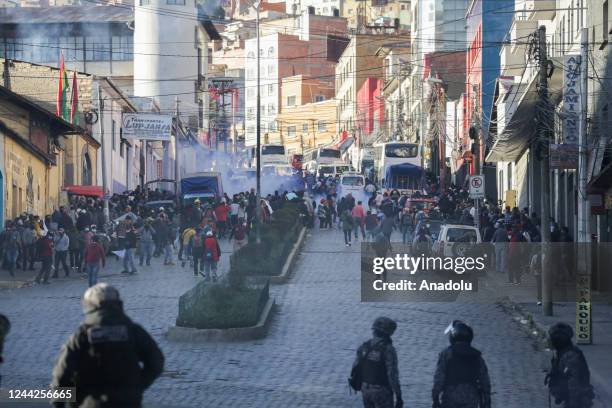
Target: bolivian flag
(62, 109)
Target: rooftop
(66, 14)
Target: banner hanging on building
(572, 99)
(147, 126)
(563, 156)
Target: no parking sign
(477, 186)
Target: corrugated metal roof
(66, 14)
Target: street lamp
(258, 134)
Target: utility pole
(258, 153)
(584, 306)
(176, 150)
(103, 154)
(544, 119)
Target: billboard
(572, 99)
(147, 126)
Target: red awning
(91, 191)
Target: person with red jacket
(94, 256)
(212, 254)
(221, 212)
(45, 251)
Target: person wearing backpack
(197, 250)
(212, 253)
(347, 225)
(461, 379)
(569, 379)
(375, 370)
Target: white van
(353, 183)
(456, 240)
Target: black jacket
(103, 359)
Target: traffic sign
(477, 189)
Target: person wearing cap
(212, 254)
(61, 243)
(377, 369)
(109, 359)
(569, 379)
(461, 379)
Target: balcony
(513, 52)
(539, 9)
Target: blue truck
(205, 186)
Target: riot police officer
(376, 362)
(461, 379)
(109, 359)
(568, 380)
(5, 328)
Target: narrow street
(307, 355)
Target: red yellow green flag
(62, 109)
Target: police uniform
(569, 378)
(379, 368)
(462, 378)
(109, 359)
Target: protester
(358, 213)
(347, 221)
(45, 252)
(94, 257)
(130, 243)
(146, 243)
(212, 254)
(61, 243)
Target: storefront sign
(563, 156)
(572, 100)
(583, 309)
(146, 126)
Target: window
(270, 89)
(250, 113)
(272, 126)
(250, 93)
(113, 131)
(321, 126)
(122, 48)
(291, 100)
(305, 127)
(251, 55)
(175, 2)
(604, 31)
(270, 51)
(121, 147)
(290, 131)
(319, 98)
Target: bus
(394, 153)
(325, 155)
(270, 153)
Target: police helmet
(459, 331)
(384, 325)
(560, 334)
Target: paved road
(305, 359)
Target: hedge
(220, 306)
(268, 257)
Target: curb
(290, 261)
(539, 332)
(260, 330)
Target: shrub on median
(220, 306)
(268, 257)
